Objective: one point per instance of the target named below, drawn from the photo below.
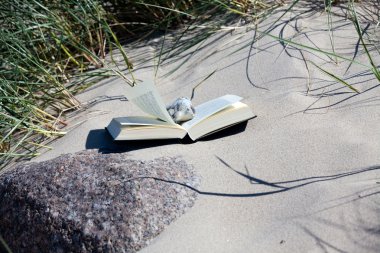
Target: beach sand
(304, 176)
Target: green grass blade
(5, 245)
(203, 80)
(374, 68)
(336, 78)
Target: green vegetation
(4, 246)
(51, 50)
(47, 49)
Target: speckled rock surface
(91, 202)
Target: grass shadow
(361, 227)
(275, 187)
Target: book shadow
(100, 139)
(231, 130)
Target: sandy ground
(304, 176)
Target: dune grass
(50, 50)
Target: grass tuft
(50, 50)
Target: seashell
(181, 110)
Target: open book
(210, 117)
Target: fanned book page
(146, 97)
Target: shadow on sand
(100, 139)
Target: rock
(91, 202)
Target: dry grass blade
(328, 9)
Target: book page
(146, 97)
(144, 121)
(231, 115)
(143, 128)
(209, 108)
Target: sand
(302, 177)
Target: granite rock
(92, 202)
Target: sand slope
(303, 176)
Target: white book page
(209, 108)
(143, 121)
(147, 98)
(229, 116)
